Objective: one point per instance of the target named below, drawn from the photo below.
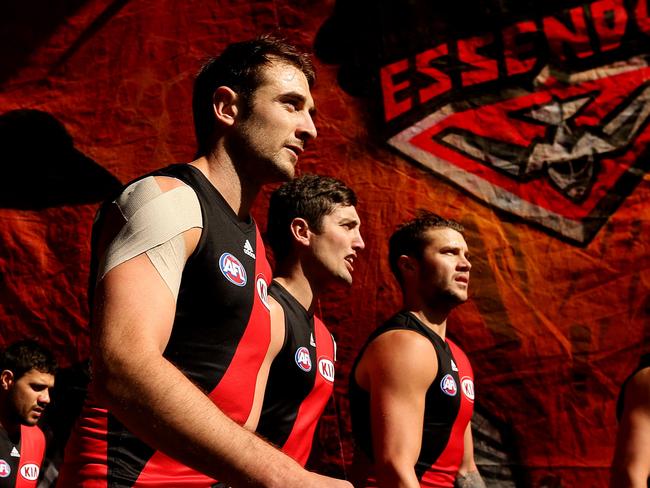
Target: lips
(295, 148)
(350, 262)
(462, 279)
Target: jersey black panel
(212, 310)
(289, 380)
(204, 338)
(9, 458)
(438, 421)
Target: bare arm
(132, 323)
(631, 465)
(277, 340)
(468, 475)
(398, 368)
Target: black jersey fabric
(448, 406)
(20, 459)
(300, 379)
(219, 338)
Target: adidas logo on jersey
(453, 366)
(14, 452)
(248, 249)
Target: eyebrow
(298, 96)
(348, 220)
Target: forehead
(34, 376)
(280, 77)
(440, 237)
(343, 212)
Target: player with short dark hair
(27, 372)
(411, 387)
(313, 229)
(180, 320)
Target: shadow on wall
(41, 167)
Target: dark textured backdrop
(96, 92)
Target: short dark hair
(239, 67)
(310, 197)
(410, 237)
(23, 356)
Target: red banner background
(552, 328)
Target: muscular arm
(397, 369)
(133, 318)
(631, 465)
(468, 475)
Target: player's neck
(238, 192)
(434, 317)
(295, 282)
(11, 428)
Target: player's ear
(407, 265)
(6, 379)
(225, 105)
(300, 231)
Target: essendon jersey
(449, 403)
(20, 463)
(300, 381)
(220, 335)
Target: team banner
(540, 109)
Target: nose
(357, 243)
(464, 263)
(44, 397)
(306, 130)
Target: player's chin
(346, 277)
(31, 420)
(284, 172)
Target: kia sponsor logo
(326, 369)
(262, 290)
(29, 471)
(467, 385)
(232, 269)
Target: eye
(291, 106)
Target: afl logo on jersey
(5, 469)
(303, 360)
(262, 290)
(29, 471)
(448, 385)
(467, 386)
(232, 269)
(326, 369)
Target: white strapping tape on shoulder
(154, 224)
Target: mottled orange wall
(552, 328)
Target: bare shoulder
(399, 354)
(401, 342)
(167, 183)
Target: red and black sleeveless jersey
(300, 381)
(20, 463)
(220, 335)
(449, 403)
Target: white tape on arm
(154, 225)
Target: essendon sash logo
(544, 117)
